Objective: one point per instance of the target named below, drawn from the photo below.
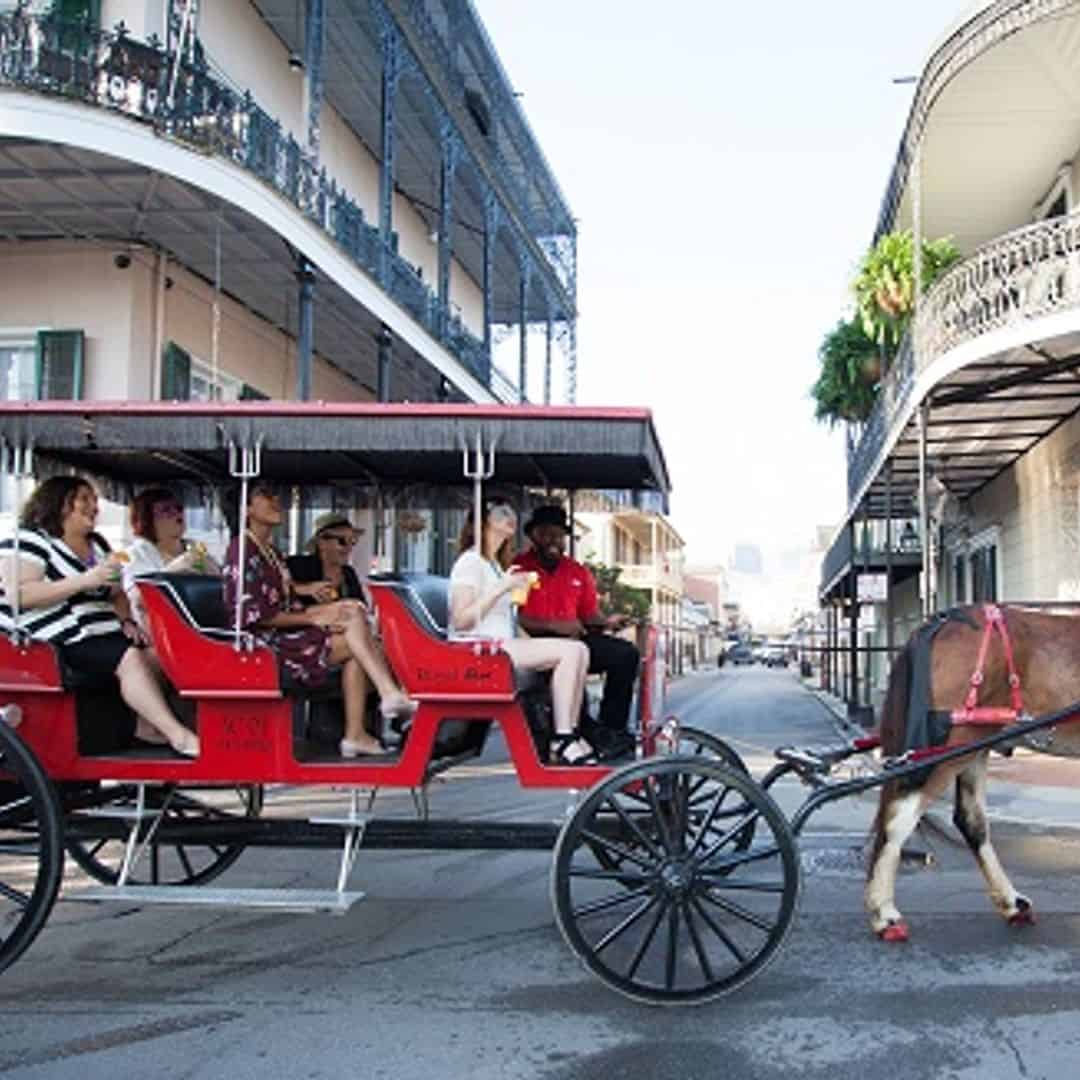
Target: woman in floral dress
(309, 641)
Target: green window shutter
(249, 393)
(59, 373)
(78, 11)
(175, 374)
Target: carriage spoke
(737, 910)
(181, 854)
(633, 826)
(673, 947)
(726, 837)
(15, 804)
(738, 858)
(617, 931)
(646, 941)
(658, 814)
(606, 903)
(709, 818)
(718, 931)
(28, 848)
(720, 881)
(14, 895)
(627, 876)
(616, 847)
(695, 940)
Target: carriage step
(118, 813)
(298, 900)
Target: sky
(725, 163)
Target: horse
(1045, 652)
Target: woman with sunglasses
(157, 520)
(481, 582)
(308, 641)
(326, 566)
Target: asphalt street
(453, 966)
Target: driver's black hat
(547, 514)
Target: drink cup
(520, 594)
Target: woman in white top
(480, 607)
(157, 520)
(69, 594)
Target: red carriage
(674, 876)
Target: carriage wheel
(694, 741)
(31, 846)
(169, 862)
(687, 914)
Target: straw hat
(332, 520)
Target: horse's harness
(972, 712)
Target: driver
(564, 604)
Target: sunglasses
(343, 541)
(168, 509)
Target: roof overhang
(1003, 78)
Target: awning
(132, 443)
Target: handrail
(114, 71)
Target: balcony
(195, 107)
(647, 576)
(1016, 292)
(875, 548)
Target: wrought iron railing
(1028, 273)
(194, 105)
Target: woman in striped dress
(70, 595)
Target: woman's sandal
(187, 745)
(398, 708)
(562, 747)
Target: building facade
(280, 198)
(964, 483)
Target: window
(977, 569)
(59, 374)
(959, 580)
(18, 370)
(984, 584)
(184, 378)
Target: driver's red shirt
(567, 592)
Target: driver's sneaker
(618, 745)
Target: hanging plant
(411, 522)
(844, 389)
(884, 286)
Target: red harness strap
(972, 713)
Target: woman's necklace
(271, 556)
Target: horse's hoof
(895, 931)
(1024, 915)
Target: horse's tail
(891, 731)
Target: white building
(985, 386)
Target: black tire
(169, 862)
(693, 741)
(31, 846)
(679, 867)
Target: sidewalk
(1026, 788)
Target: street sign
(872, 588)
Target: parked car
(740, 654)
(776, 656)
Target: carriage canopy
(317, 442)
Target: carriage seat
(427, 599)
(200, 598)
